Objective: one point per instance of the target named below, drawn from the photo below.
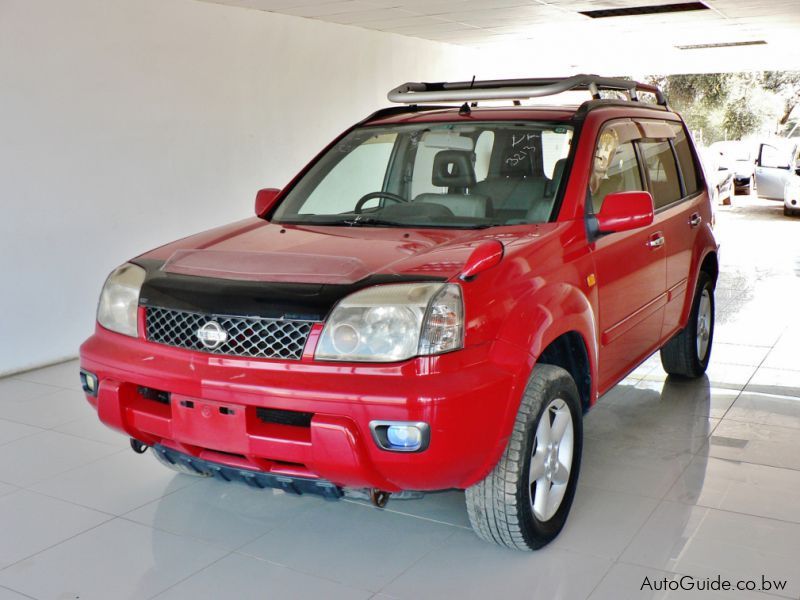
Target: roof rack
(519, 89)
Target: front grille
(246, 336)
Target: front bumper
(215, 406)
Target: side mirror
(623, 211)
(265, 200)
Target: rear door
(630, 266)
(773, 170)
(680, 199)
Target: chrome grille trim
(254, 337)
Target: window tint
(662, 172)
(691, 174)
(615, 166)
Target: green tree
(740, 119)
(731, 105)
(786, 85)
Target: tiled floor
(679, 478)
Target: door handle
(656, 240)
(695, 220)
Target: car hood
(258, 251)
(301, 272)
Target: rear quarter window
(692, 177)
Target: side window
(615, 167)
(360, 172)
(483, 154)
(662, 172)
(692, 177)
(773, 158)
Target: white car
(719, 176)
(791, 197)
(777, 165)
(739, 157)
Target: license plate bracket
(209, 424)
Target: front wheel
(687, 354)
(524, 502)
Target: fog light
(89, 382)
(401, 436)
(404, 436)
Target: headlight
(119, 300)
(388, 323)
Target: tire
(177, 467)
(788, 212)
(746, 188)
(501, 507)
(686, 355)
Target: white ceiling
(538, 36)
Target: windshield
(434, 175)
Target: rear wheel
(788, 212)
(687, 354)
(524, 502)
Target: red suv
(432, 303)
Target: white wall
(125, 124)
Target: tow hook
(378, 497)
(138, 447)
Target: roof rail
(518, 89)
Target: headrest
(453, 169)
(558, 174)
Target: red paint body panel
(623, 303)
(458, 394)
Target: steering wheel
(363, 200)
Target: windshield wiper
(355, 221)
(361, 221)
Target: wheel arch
(569, 351)
(710, 265)
(707, 261)
(557, 325)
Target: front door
(630, 266)
(773, 170)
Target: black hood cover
(302, 301)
